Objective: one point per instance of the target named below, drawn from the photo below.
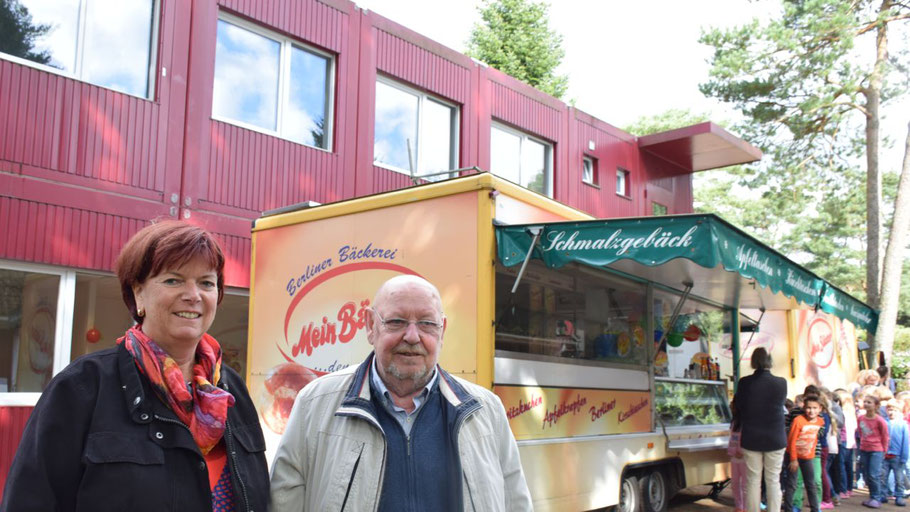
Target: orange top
(803, 436)
(216, 460)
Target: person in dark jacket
(760, 403)
(155, 423)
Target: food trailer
(604, 339)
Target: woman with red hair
(156, 423)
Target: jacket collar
(357, 400)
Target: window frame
(627, 183)
(155, 39)
(593, 181)
(454, 143)
(284, 63)
(63, 326)
(549, 152)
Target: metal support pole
(536, 231)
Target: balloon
(93, 335)
(692, 333)
(674, 339)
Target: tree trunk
(873, 176)
(894, 258)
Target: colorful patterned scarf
(204, 410)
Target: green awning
(724, 264)
(839, 303)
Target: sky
(624, 59)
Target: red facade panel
(76, 129)
(254, 172)
(511, 105)
(315, 23)
(12, 425)
(421, 68)
(57, 235)
(665, 185)
(237, 251)
(611, 152)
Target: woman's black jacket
(100, 439)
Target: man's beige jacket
(333, 452)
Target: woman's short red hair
(162, 246)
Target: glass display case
(685, 402)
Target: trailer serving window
(573, 313)
(689, 387)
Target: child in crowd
(904, 398)
(801, 443)
(858, 462)
(737, 463)
(822, 479)
(835, 467)
(847, 456)
(898, 451)
(873, 443)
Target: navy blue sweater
(423, 470)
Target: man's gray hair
(761, 359)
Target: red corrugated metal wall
(83, 167)
(613, 150)
(12, 424)
(84, 149)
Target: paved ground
(694, 500)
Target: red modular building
(214, 111)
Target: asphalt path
(695, 499)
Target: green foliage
(801, 82)
(516, 39)
(900, 363)
(18, 34)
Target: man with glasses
(397, 432)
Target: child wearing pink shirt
(737, 463)
(873, 443)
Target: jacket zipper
(347, 493)
(229, 437)
(230, 448)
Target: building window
(414, 130)
(589, 170)
(34, 321)
(110, 44)
(272, 84)
(622, 183)
(658, 209)
(521, 159)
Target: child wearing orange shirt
(801, 449)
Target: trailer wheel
(629, 495)
(655, 492)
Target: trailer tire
(655, 491)
(629, 495)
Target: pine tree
(516, 39)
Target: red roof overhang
(699, 147)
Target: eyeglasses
(396, 325)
